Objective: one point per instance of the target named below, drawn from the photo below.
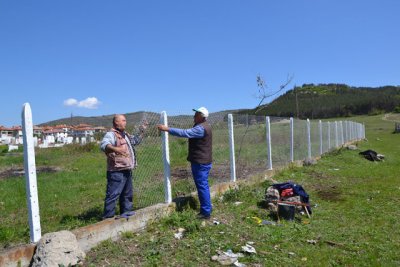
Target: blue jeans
(119, 186)
(200, 175)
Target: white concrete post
(350, 136)
(30, 175)
(167, 164)
(349, 128)
(356, 130)
(363, 127)
(341, 133)
(329, 136)
(232, 148)
(320, 137)
(336, 135)
(309, 138)
(291, 140)
(352, 130)
(269, 143)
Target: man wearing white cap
(200, 156)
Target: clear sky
(98, 57)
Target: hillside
(105, 120)
(332, 100)
(313, 102)
(133, 118)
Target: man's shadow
(90, 216)
(185, 202)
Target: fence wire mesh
(280, 141)
(250, 144)
(251, 150)
(325, 133)
(315, 140)
(148, 182)
(181, 175)
(300, 139)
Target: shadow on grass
(185, 202)
(90, 216)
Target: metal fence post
(291, 140)
(232, 148)
(269, 143)
(320, 137)
(167, 164)
(309, 138)
(30, 175)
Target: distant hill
(135, 118)
(105, 120)
(332, 100)
(313, 102)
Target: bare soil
(17, 172)
(220, 173)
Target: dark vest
(200, 149)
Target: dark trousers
(119, 186)
(200, 175)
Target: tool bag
(287, 192)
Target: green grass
(73, 196)
(355, 222)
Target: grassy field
(354, 222)
(72, 195)
(72, 184)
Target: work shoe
(127, 214)
(203, 217)
(107, 217)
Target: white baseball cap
(202, 110)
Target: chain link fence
(253, 144)
(250, 146)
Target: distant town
(51, 136)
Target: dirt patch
(220, 173)
(17, 172)
(328, 192)
(325, 190)
(180, 173)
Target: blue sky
(94, 58)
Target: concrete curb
(18, 256)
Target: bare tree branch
(262, 95)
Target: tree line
(332, 100)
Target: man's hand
(143, 126)
(118, 150)
(163, 127)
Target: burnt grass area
(18, 172)
(325, 188)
